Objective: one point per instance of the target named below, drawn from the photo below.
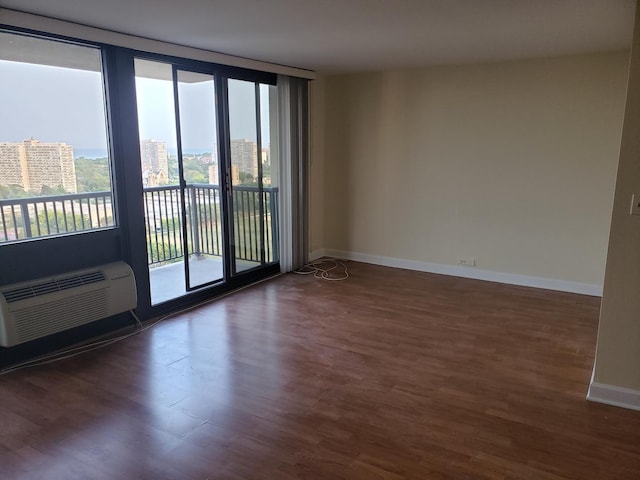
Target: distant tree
(195, 171)
(195, 176)
(46, 190)
(173, 223)
(12, 191)
(266, 170)
(246, 179)
(172, 167)
(57, 222)
(162, 249)
(92, 175)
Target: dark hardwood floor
(391, 374)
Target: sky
(196, 102)
(54, 104)
(51, 104)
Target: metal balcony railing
(36, 217)
(255, 234)
(163, 216)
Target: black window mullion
(260, 173)
(227, 213)
(181, 180)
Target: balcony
(40, 217)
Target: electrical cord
(68, 353)
(75, 351)
(325, 269)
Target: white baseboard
(469, 272)
(612, 395)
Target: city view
(56, 174)
(34, 168)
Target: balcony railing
(163, 214)
(37, 217)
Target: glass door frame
(121, 65)
(233, 210)
(186, 223)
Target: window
(55, 169)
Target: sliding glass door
(198, 169)
(254, 199)
(210, 206)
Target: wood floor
(389, 375)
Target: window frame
(115, 204)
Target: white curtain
(293, 155)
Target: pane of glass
(245, 179)
(269, 174)
(159, 166)
(55, 171)
(199, 144)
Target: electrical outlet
(635, 204)
(467, 262)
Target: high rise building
(13, 165)
(33, 165)
(235, 175)
(155, 162)
(244, 154)
(51, 165)
(214, 178)
(266, 166)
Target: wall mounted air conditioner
(34, 309)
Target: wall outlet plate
(467, 261)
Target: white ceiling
(361, 35)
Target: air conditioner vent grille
(56, 285)
(61, 314)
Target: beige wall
(513, 164)
(618, 351)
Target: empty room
(295, 239)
